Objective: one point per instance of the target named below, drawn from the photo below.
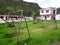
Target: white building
(46, 13)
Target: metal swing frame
(19, 27)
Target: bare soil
(55, 43)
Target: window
(54, 12)
(1, 17)
(42, 11)
(47, 11)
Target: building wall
(7, 17)
(44, 11)
(57, 17)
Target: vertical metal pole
(18, 31)
(19, 27)
(54, 20)
(42, 20)
(27, 27)
(55, 17)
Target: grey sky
(46, 3)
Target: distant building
(46, 13)
(7, 17)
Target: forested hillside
(29, 8)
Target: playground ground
(40, 34)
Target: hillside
(11, 5)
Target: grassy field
(41, 34)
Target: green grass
(39, 35)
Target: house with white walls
(46, 13)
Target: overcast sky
(46, 3)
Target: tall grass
(39, 36)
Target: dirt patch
(37, 30)
(55, 43)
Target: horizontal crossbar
(23, 27)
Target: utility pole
(53, 18)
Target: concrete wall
(1, 21)
(27, 19)
(30, 18)
(45, 13)
(57, 17)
